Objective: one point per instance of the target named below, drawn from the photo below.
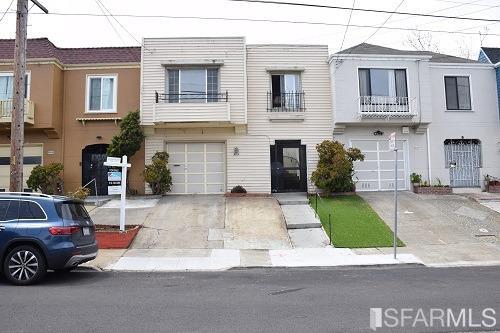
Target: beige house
(75, 99)
(232, 114)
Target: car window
(29, 210)
(73, 211)
(4, 206)
(12, 210)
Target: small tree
(157, 174)
(130, 138)
(335, 168)
(46, 178)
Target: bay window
(382, 82)
(193, 85)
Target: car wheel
(24, 265)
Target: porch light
(236, 151)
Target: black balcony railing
(286, 102)
(191, 97)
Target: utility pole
(17, 123)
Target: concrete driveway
(213, 222)
(449, 229)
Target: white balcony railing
(386, 106)
(6, 111)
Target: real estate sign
(114, 180)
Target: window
(193, 85)
(285, 91)
(382, 82)
(12, 210)
(7, 86)
(457, 89)
(101, 93)
(72, 211)
(29, 210)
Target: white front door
(32, 157)
(376, 172)
(197, 167)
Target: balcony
(191, 107)
(287, 106)
(6, 111)
(386, 107)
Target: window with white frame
(7, 86)
(457, 90)
(193, 85)
(101, 93)
(382, 82)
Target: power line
(387, 19)
(264, 20)
(367, 10)
(347, 27)
(5, 12)
(110, 23)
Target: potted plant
(415, 179)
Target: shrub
(46, 178)
(238, 189)
(157, 174)
(130, 138)
(80, 193)
(335, 170)
(415, 178)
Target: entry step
(300, 217)
(292, 198)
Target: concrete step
(292, 198)
(300, 217)
(308, 238)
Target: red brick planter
(494, 186)
(439, 190)
(254, 195)
(110, 237)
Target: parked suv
(40, 232)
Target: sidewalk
(164, 260)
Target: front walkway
(440, 230)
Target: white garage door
(376, 172)
(197, 167)
(32, 157)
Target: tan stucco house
(75, 99)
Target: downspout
(428, 138)
(427, 130)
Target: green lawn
(354, 223)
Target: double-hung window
(7, 86)
(101, 93)
(382, 82)
(193, 85)
(457, 90)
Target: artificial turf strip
(354, 223)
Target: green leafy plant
(238, 189)
(130, 138)
(335, 170)
(157, 174)
(46, 178)
(425, 184)
(80, 193)
(415, 178)
(438, 182)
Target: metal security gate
(463, 158)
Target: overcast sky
(77, 31)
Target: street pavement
(251, 300)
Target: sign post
(112, 177)
(392, 146)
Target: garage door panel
(215, 157)
(377, 171)
(365, 144)
(195, 167)
(32, 157)
(216, 178)
(196, 147)
(367, 165)
(202, 168)
(177, 158)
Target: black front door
(288, 167)
(93, 158)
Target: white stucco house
(232, 114)
(443, 110)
